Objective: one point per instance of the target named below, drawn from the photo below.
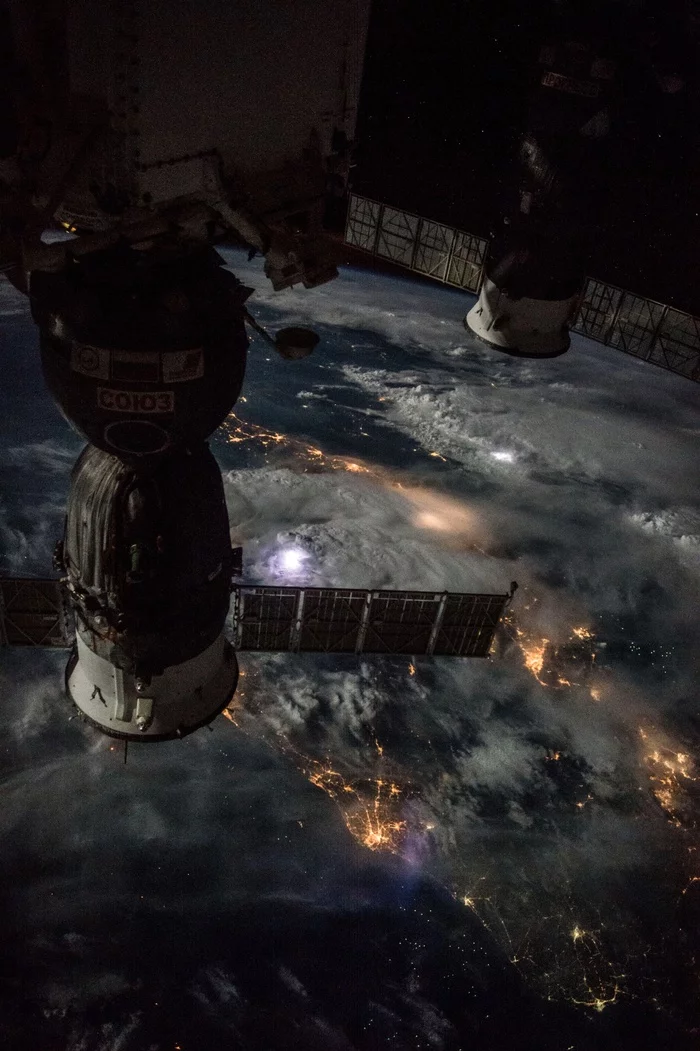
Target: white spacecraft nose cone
(184, 697)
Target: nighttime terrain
(383, 852)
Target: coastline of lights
(562, 960)
(433, 511)
(561, 957)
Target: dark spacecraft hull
(536, 262)
(143, 351)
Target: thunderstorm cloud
(367, 846)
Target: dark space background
(445, 95)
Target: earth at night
(382, 853)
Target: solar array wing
(264, 618)
(32, 613)
(331, 620)
(401, 621)
(344, 620)
(293, 620)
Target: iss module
(535, 267)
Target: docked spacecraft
(592, 57)
(144, 352)
(535, 267)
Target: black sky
(445, 94)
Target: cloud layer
(401, 455)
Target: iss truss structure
(34, 612)
(644, 328)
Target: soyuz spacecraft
(150, 135)
(536, 263)
(534, 273)
(594, 70)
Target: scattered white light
(428, 520)
(504, 455)
(441, 514)
(292, 559)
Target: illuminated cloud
(333, 787)
(292, 559)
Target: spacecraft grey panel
(32, 613)
(240, 114)
(343, 620)
(264, 618)
(642, 327)
(331, 620)
(251, 84)
(468, 625)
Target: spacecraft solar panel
(400, 622)
(397, 236)
(448, 255)
(468, 625)
(434, 249)
(677, 345)
(32, 613)
(641, 327)
(296, 620)
(331, 620)
(264, 618)
(362, 226)
(344, 620)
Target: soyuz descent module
(150, 136)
